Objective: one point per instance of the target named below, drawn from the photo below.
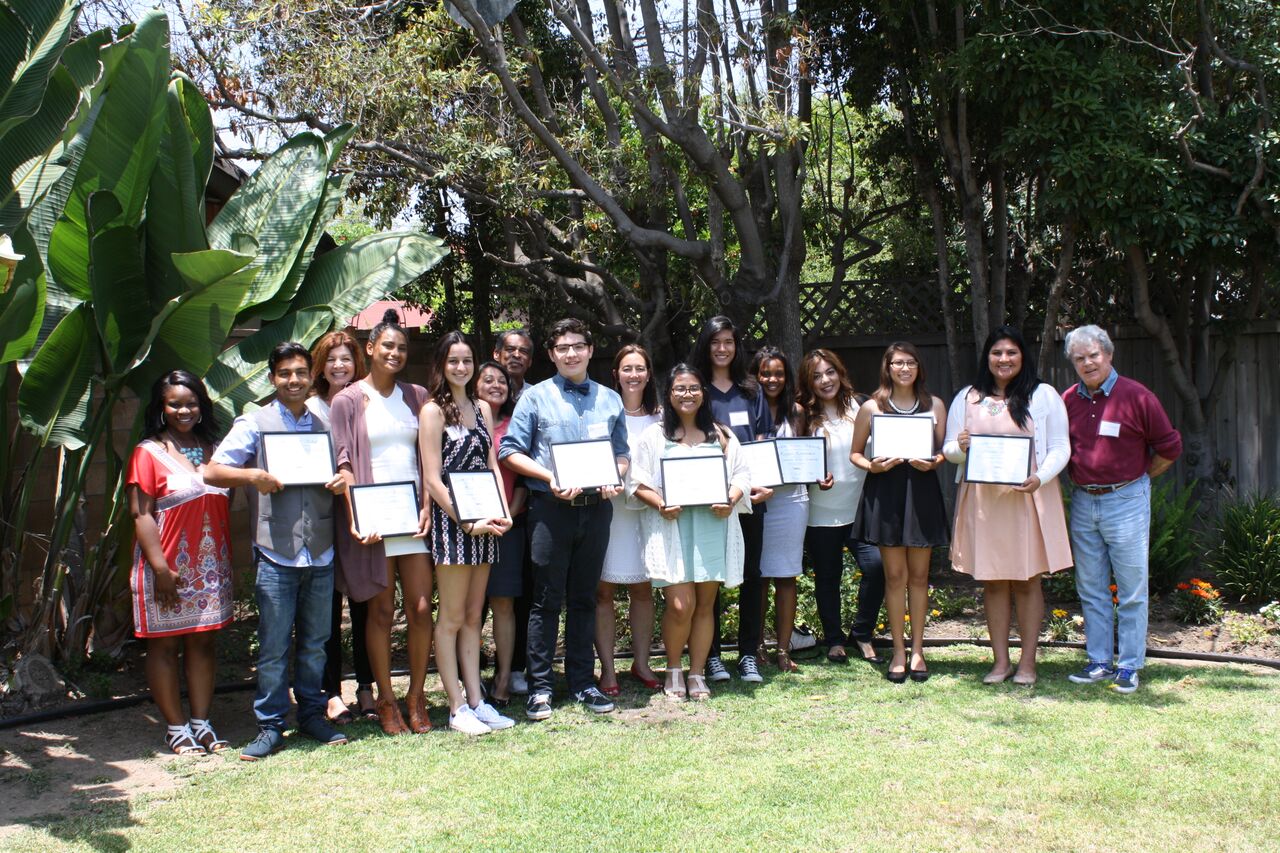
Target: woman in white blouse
(1007, 536)
(689, 551)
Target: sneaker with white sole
(1092, 673)
(748, 670)
(593, 700)
(519, 683)
(538, 706)
(1126, 680)
(716, 670)
(465, 720)
(489, 715)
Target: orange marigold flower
(1196, 581)
(1184, 586)
(1060, 614)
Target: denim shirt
(1108, 384)
(240, 449)
(548, 414)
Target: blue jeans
(1110, 534)
(291, 598)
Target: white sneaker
(465, 720)
(489, 715)
(519, 683)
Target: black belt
(1104, 490)
(584, 499)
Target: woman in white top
(623, 565)
(375, 437)
(689, 551)
(782, 554)
(829, 407)
(1007, 536)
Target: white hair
(1086, 335)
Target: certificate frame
(288, 475)
(385, 492)
(908, 424)
(987, 476)
(569, 459)
(798, 441)
(479, 480)
(695, 485)
(774, 474)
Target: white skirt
(624, 561)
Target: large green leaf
(118, 282)
(31, 153)
(191, 330)
(349, 278)
(335, 190)
(53, 400)
(274, 208)
(175, 205)
(33, 34)
(121, 149)
(238, 376)
(22, 305)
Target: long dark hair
(1018, 392)
(509, 406)
(702, 419)
(885, 391)
(206, 428)
(441, 393)
(787, 397)
(648, 397)
(846, 400)
(700, 356)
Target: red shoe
(609, 691)
(649, 683)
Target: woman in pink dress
(1007, 536)
(181, 577)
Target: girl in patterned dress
(181, 578)
(454, 435)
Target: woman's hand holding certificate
(999, 459)
(477, 499)
(696, 481)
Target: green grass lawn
(831, 758)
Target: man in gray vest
(293, 550)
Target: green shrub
(1247, 557)
(1061, 586)
(1196, 603)
(1175, 543)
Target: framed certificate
(476, 495)
(803, 459)
(585, 464)
(299, 458)
(695, 480)
(902, 436)
(762, 460)
(388, 509)
(999, 459)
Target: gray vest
(297, 515)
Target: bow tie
(583, 388)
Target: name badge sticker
(180, 481)
(457, 432)
(598, 430)
(1110, 429)
(739, 419)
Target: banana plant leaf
(53, 399)
(238, 376)
(33, 34)
(22, 305)
(118, 282)
(335, 190)
(121, 149)
(274, 209)
(348, 279)
(175, 205)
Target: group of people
(558, 548)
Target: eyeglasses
(517, 351)
(901, 365)
(686, 390)
(565, 349)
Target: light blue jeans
(1110, 535)
(291, 599)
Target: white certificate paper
(585, 464)
(388, 509)
(299, 458)
(803, 459)
(999, 459)
(762, 460)
(902, 436)
(695, 480)
(476, 495)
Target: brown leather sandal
(389, 717)
(418, 722)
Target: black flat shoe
(874, 658)
(895, 677)
(919, 675)
(841, 658)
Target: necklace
(193, 454)
(994, 405)
(636, 412)
(910, 411)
